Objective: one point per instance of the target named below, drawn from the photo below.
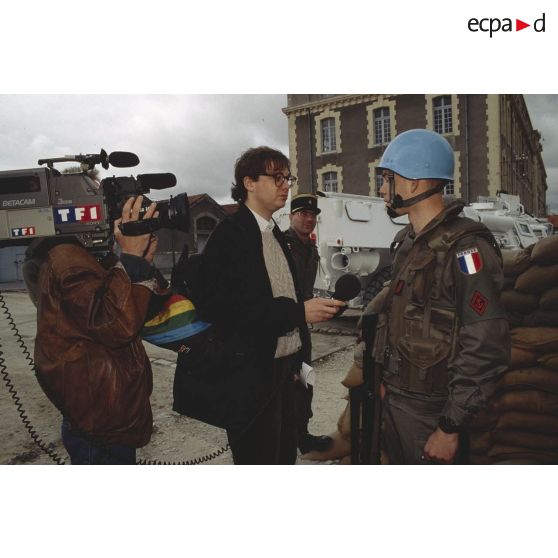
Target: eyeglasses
(280, 179)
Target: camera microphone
(157, 181)
(116, 159)
(347, 287)
(123, 159)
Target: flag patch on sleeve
(469, 261)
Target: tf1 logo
(77, 214)
(492, 25)
(24, 231)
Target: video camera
(42, 202)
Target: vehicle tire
(375, 285)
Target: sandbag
(502, 453)
(549, 300)
(543, 379)
(537, 279)
(486, 420)
(509, 283)
(515, 319)
(340, 448)
(524, 303)
(549, 361)
(531, 440)
(522, 358)
(541, 318)
(545, 251)
(344, 422)
(539, 339)
(515, 262)
(528, 422)
(353, 377)
(531, 401)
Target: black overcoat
(234, 293)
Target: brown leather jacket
(89, 357)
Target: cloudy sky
(197, 137)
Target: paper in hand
(307, 375)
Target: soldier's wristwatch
(447, 425)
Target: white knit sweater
(282, 285)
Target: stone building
(205, 214)
(337, 141)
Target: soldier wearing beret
(303, 216)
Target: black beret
(305, 202)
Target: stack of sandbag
(340, 448)
(521, 422)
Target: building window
(329, 182)
(379, 182)
(328, 135)
(204, 228)
(443, 120)
(382, 126)
(449, 189)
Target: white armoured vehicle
(354, 233)
(506, 218)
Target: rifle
(365, 403)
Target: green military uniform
(305, 256)
(442, 338)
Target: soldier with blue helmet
(442, 338)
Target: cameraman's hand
(152, 248)
(134, 245)
(321, 309)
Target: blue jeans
(84, 452)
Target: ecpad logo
(494, 24)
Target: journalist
(250, 292)
(89, 357)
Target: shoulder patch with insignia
(478, 303)
(470, 261)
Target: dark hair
(255, 161)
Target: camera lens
(175, 213)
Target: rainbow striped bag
(175, 326)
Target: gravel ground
(175, 438)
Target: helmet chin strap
(398, 202)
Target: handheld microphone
(347, 287)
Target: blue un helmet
(415, 155)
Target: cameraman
(89, 357)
